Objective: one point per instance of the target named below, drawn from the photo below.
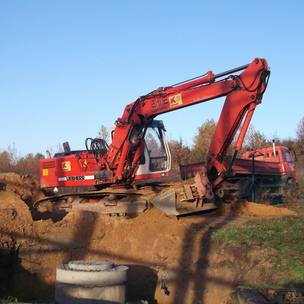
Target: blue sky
(68, 67)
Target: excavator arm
(243, 93)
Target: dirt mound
(26, 187)
(170, 260)
(243, 208)
(17, 195)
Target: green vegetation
(300, 175)
(283, 236)
(9, 300)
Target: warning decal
(175, 100)
(45, 172)
(66, 166)
(83, 163)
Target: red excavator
(136, 154)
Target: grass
(284, 235)
(9, 300)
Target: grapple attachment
(182, 201)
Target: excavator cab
(155, 161)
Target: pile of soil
(243, 208)
(170, 260)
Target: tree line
(253, 140)
(29, 164)
(23, 165)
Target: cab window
(288, 156)
(157, 153)
(283, 156)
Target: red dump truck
(264, 171)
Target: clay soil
(170, 260)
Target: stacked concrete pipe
(88, 282)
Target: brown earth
(170, 260)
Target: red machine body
(276, 160)
(80, 168)
(69, 170)
(130, 154)
(273, 169)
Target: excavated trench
(170, 260)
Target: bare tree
(300, 134)
(103, 133)
(255, 139)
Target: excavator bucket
(181, 201)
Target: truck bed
(240, 166)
